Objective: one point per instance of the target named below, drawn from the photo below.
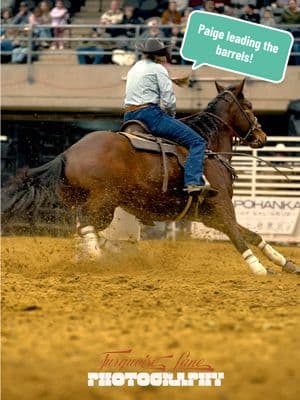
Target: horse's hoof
(291, 268)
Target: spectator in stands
(250, 14)
(229, 10)
(153, 30)
(22, 18)
(106, 44)
(59, 16)
(291, 14)
(45, 19)
(6, 18)
(93, 48)
(268, 17)
(184, 18)
(175, 44)
(21, 47)
(35, 16)
(129, 18)
(113, 16)
(7, 44)
(278, 8)
(171, 15)
(209, 6)
(45, 7)
(36, 19)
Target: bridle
(253, 125)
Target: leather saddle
(141, 138)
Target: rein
(213, 153)
(222, 122)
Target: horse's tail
(32, 189)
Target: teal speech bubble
(235, 45)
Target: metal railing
(31, 38)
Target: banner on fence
(276, 218)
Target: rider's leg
(173, 129)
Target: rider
(148, 84)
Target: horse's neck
(222, 142)
(213, 125)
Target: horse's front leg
(222, 218)
(271, 253)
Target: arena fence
(256, 178)
(265, 201)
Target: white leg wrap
(90, 242)
(256, 267)
(272, 254)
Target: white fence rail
(256, 178)
(265, 201)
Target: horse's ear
(219, 87)
(239, 88)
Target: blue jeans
(163, 125)
(89, 58)
(6, 45)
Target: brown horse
(103, 171)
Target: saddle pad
(140, 143)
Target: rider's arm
(167, 94)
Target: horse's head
(240, 115)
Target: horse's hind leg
(92, 219)
(271, 253)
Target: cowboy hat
(153, 46)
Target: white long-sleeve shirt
(149, 82)
(59, 16)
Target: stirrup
(203, 190)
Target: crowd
(31, 16)
(107, 39)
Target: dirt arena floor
(58, 318)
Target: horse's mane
(206, 125)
